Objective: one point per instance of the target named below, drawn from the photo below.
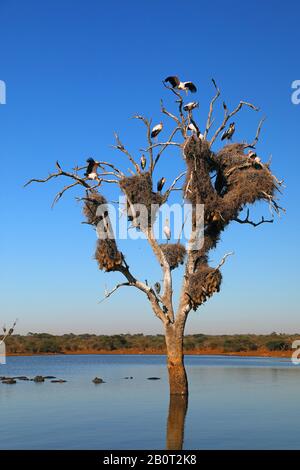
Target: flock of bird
(175, 83)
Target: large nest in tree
(198, 184)
(175, 254)
(95, 209)
(138, 190)
(240, 181)
(108, 256)
(203, 284)
(92, 202)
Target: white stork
(143, 162)
(167, 230)
(195, 129)
(176, 83)
(160, 184)
(190, 106)
(91, 171)
(156, 130)
(229, 132)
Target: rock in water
(98, 380)
(153, 378)
(9, 381)
(39, 378)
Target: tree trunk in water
(176, 420)
(177, 374)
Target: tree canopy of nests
(175, 254)
(239, 181)
(138, 190)
(108, 256)
(203, 284)
(92, 202)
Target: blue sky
(76, 71)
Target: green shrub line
(45, 343)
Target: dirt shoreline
(199, 352)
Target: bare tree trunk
(176, 421)
(177, 374)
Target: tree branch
(254, 224)
(227, 116)
(171, 188)
(147, 123)
(209, 121)
(122, 149)
(224, 259)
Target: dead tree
(224, 182)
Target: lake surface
(234, 403)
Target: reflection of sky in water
(234, 403)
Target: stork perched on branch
(190, 106)
(229, 132)
(156, 130)
(176, 83)
(160, 184)
(91, 171)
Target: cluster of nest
(138, 191)
(95, 209)
(240, 180)
(175, 254)
(203, 284)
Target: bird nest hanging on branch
(95, 209)
(203, 284)
(139, 193)
(108, 256)
(198, 187)
(91, 204)
(241, 181)
(175, 254)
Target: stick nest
(108, 256)
(138, 190)
(92, 202)
(175, 254)
(203, 284)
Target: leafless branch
(228, 116)
(171, 188)
(164, 146)
(148, 124)
(108, 294)
(254, 224)
(122, 149)
(7, 332)
(224, 259)
(253, 144)
(211, 108)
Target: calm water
(240, 403)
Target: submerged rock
(58, 381)
(9, 381)
(98, 380)
(39, 378)
(153, 378)
(22, 377)
(49, 377)
(128, 378)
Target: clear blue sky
(76, 71)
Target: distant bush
(239, 345)
(278, 345)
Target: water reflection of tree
(176, 421)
